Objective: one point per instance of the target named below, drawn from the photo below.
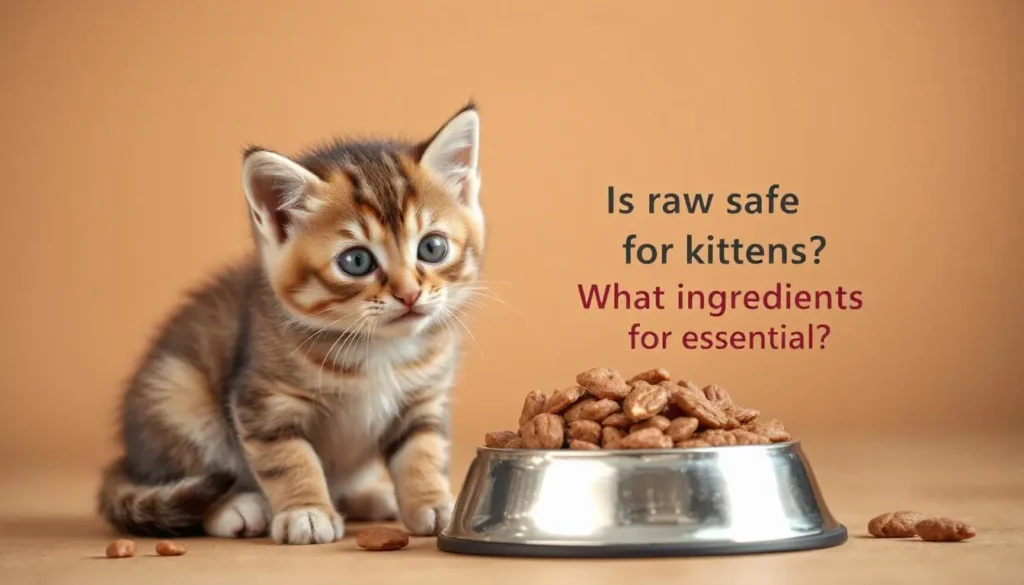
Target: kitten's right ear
(280, 192)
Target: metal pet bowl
(649, 503)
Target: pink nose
(408, 297)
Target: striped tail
(172, 509)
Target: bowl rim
(603, 453)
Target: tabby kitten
(276, 395)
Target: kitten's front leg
(274, 425)
(416, 452)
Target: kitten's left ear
(453, 153)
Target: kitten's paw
(373, 504)
(242, 515)
(307, 526)
(428, 516)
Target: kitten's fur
(270, 400)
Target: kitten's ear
(452, 155)
(280, 192)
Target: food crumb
(121, 549)
(382, 539)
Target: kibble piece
(657, 421)
(618, 419)
(770, 429)
(382, 539)
(894, 524)
(744, 437)
(166, 548)
(646, 439)
(717, 395)
(610, 436)
(644, 401)
(578, 445)
(743, 415)
(595, 410)
(585, 430)
(692, 444)
(651, 376)
(516, 443)
(533, 406)
(692, 401)
(682, 428)
(603, 383)
(121, 549)
(498, 439)
(545, 431)
(718, 438)
(944, 530)
(562, 399)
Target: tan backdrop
(896, 123)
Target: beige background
(897, 123)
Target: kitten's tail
(172, 509)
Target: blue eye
(432, 249)
(356, 262)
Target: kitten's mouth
(409, 316)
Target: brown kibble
(545, 431)
(562, 399)
(166, 548)
(617, 419)
(121, 549)
(682, 428)
(516, 443)
(533, 406)
(610, 436)
(742, 415)
(603, 383)
(944, 530)
(595, 410)
(657, 421)
(578, 445)
(646, 439)
(498, 439)
(380, 538)
(651, 376)
(717, 395)
(744, 437)
(644, 401)
(692, 444)
(894, 524)
(585, 430)
(672, 410)
(691, 400)
(718, 438)
(770, 429)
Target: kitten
(275, 397)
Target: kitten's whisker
(464, 326)
(320, 374)
(315, 334)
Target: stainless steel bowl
(677, 502)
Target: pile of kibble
(604, 410)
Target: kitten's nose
(408, 297)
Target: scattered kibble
(382, 539)
(166, 548)
(121, 549)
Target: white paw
(307, 526)
(375, 504)
(242, 515)
(428, 518)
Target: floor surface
(48, 533)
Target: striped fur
(278, 394)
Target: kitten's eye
(357, 262)
(432, 249)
